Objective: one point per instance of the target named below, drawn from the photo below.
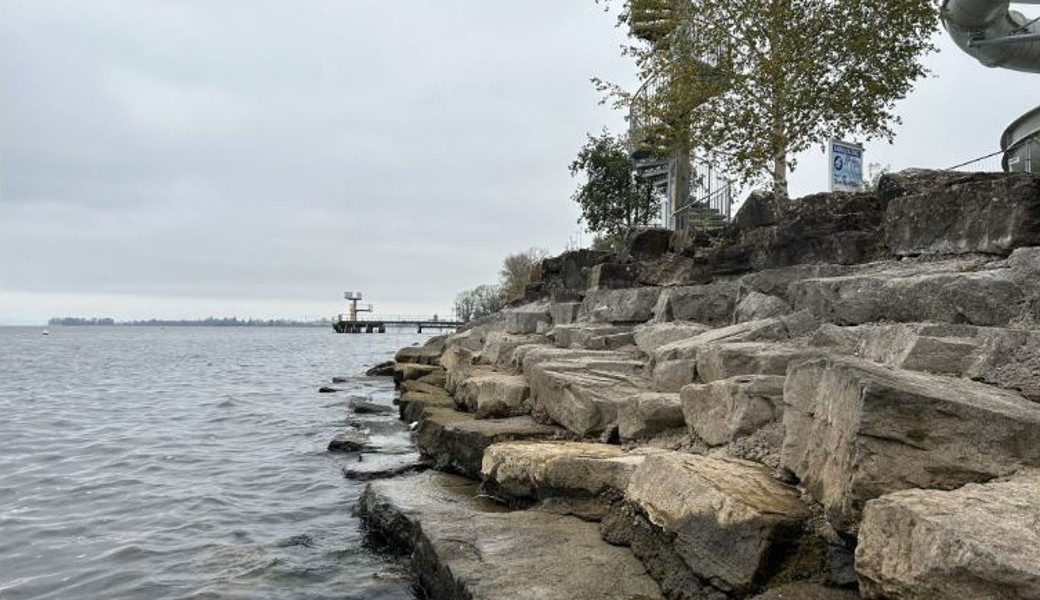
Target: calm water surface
(186, 463)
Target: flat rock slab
(468, 548)
(383, 466)
(350, 441)
(979, 541)
(539, 470)
(730, 519)
(456, 441)
(856, 430)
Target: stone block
(978, 298)
(581, 398)
(671, 375)
(721, 411)
(563, 313)
(761, 306)
(980, 542)
(711, 304)
(456, 441)
(499, 346)
(539, 470)
(722, 361)
(974, 213)
(647, 414)
(632, 305)
(731, 520)
(611, 276)
(749, 331)
(526, 319)
(651, 336)
(493, 395)
(856, 430)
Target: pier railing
(343, 323)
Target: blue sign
(846, 166)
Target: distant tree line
(207, 322)
(518, 270)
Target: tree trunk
(780, 175)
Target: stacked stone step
(847, 430)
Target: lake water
(187, 462)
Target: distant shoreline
(208, 322)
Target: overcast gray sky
(218, 157)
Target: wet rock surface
(462, 546)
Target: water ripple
(185, 464)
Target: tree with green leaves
(753, 82)
(612, 199)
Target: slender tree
(612, 198)
(753, 82)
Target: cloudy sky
(188, 158)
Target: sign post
(846, 166)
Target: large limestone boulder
(711, 304)
(973, 212)
(464, 546)
(563, 277)
(525, 319)
(774, 282)
(756, 305)
(842, 228)
(980, 542)
(632, 305)
(651, 336)
(525, 358)
(722, 361)
(539, 470)
(594, 336)
(579, 396)
(647, 414)
(987, 297)
(490, 395)
(689, 348)
(730, 521)
(456, 441)
(499, 346)
(721, 411)
(669, 376)
(856, 430)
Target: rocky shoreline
(832, 398)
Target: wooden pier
(351, 323)
(343, 324)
